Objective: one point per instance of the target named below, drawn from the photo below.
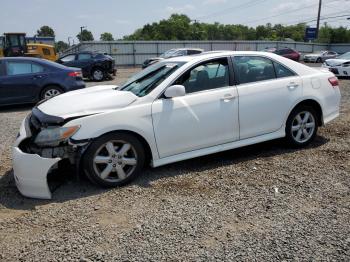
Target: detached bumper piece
(30, 172)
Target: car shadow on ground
(69, 187)
(16, 108)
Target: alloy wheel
(303, 127)
(98, 75)
(51, 93)
(115, 160)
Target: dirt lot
(262, 202)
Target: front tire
(97, 74)
(319, 60)
(114, 159)
(301, 127)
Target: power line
(284, 13)
(313, 20)
(241, 6)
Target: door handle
(37, 77)
(292, 86)
(227, 97)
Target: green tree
(45, 31)
(106, 37)
(85, 35)
(61, 46)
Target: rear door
(267, 90)
(21, 81)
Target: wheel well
(148, 151)
(316, 106)
(47, 85)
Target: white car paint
(187, 126)
(340, 67)
(320, 56)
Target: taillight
(333, 81)
(75, 74)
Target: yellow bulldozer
(15, 44)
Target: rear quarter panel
(318, 88)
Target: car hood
(335, 62)
(91, 100)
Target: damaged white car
(176, 109)
(339, 66)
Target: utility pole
(318, 17)
(81, 33)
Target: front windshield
(145, 81)
(344, 56)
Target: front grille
(334, 71)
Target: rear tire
(114, 159)
(319, 60)
(301, 127)
(50, 92)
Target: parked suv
(28, 80)
(95, 66)
(172, 53)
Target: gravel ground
(262, 202)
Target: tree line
(181, 27)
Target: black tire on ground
(98, 74)
(93, 171)
(292, 126)
(319, 60)
(50, 91)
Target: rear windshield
(145, 81)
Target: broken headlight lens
(53, 136)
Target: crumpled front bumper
(30, 170)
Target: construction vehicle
(15, 44)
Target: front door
(206, 116)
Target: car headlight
(53, 136)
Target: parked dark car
(29, 80)
(172, 53)
(285, 52)
(95, 66)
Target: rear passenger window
(282, 71)
(22, 68)
(253, 69)
(37, 68)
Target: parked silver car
(320, 57)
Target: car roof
(33, 59)
(188, 48)
(299, 68)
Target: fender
(94, 126)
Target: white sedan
(339, 66)
(176, 109)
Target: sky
(124, 17)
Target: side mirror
(175, 91)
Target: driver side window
(209, 75)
